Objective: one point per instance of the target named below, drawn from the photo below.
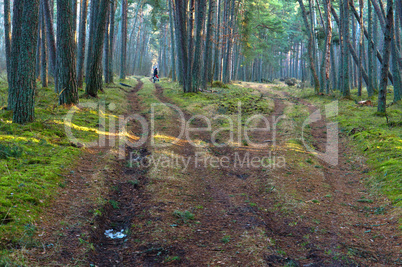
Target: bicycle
(154, 79)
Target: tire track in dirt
(246, 217)
(225, 195)
(352, 223)
(125, 201)
(362, 250)
(354, 232)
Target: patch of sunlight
(295, 147)
(7, 121)
(87, 129)
(25, 139)
(168, 138)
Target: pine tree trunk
(217, 44)
(177, 44)
(388, 32)
(38, 44)
(81, 43)
(190, 53)
(360, 82)
(7, 38)
(94, 78)
(50, 37)
(93, 24)
(310, 46)
(106, 52)
(15, 50)
(172, 42)
(180, 12)
(44, 73)
(75, 15)
(370, 88)
(208, 47)
(111, 40)
(395, 67)
(200, 21)
(375, 47)
(227, 60)
(66, 85)
(123, 28)
(345, 56)
(27, 14)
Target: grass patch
(184, 216)
(224, 100)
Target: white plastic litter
(117, 235)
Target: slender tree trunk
(217, 43)
(172, 42)
(310, 46)
(7, 37)
(111, 40)
(50, 37)
(75, 17)
(180, 16)
(228, 56)
(388, 32)
(345, 56)
(123, 28)
(81, 43)
(106, 51)
(395, 68)
(93, 22)
(44, 77)
(177, 44)
(38, 44)
(209, 44)
(375, 63)
(370, 88)
(190, 54)
(360, 82)
(25, 57)
(328, 45)
(200, 22)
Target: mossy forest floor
(185, 210)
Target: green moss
(34, 157)
(225, 99)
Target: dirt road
(304, 213)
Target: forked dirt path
(190, 212)
(239, 215)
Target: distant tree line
(333, 45)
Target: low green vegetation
(183, 216)
(34, 158)
(224, 98)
